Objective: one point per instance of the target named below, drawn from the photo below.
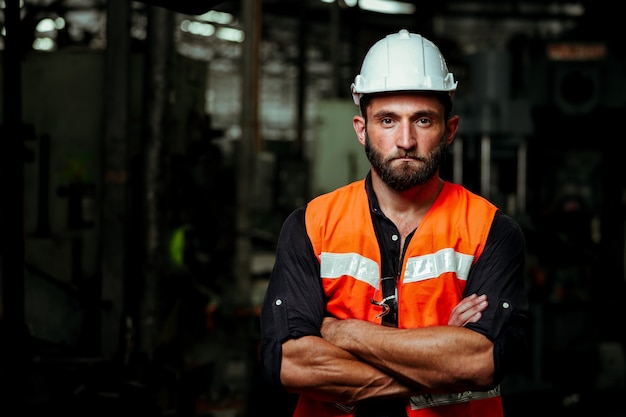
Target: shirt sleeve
(294, 303)
(499, 273)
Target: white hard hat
(403, 61)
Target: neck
(407, 208)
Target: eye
(386, 121)
(424, 121)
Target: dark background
(147, 167)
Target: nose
(406, 136)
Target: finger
(464, 312)
(466, 308)
(474, 314)
(474, 318)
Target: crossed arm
(355, 360)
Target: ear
(452, 125)
(358, 122)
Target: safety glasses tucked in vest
(388, 295)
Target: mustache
(405, 155)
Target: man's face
(405, 138)
(404, 176)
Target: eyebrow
(421, 113)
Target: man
(400, 294)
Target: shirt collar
(371, 195)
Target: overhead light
(197, 28)
(230, 34)
(378, 6)
(213, 16)
(43, 44)
(343, 3)
(45, 25)
(387, 6)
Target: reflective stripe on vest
(419, 402)
(418, 268)
(432, 265)
(334, 265)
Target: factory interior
(150, 151)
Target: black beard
(406, 177)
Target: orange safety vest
(448, 241)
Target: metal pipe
(522, 166)
(240, 291)
(485, 166)
(157, 89)
(113, 215)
